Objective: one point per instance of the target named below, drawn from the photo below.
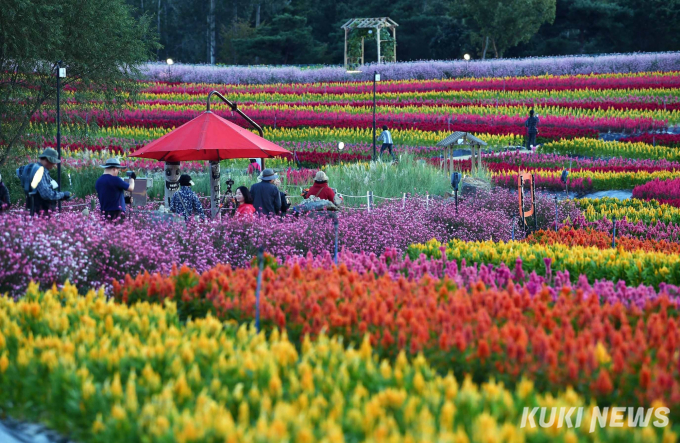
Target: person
(245, 202)
(44, 194)
(266, 196)
(253, 167)
(532, 129)
(285, 204)
(185, 202)
(320, 188)
(386, 139)
(4, 195)
(111, 189)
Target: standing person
(185, 202)
(111, 189)
(4, 196)
(245, 202)
(386, 139)
(266, 196)
(532, 129)
(320, 188)
(44, 193)
(254, 167)
(285, 204)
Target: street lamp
(376, 78)
(61, 73)
(169, 61)
(467, 57)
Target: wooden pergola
(372, 24)
(462, 139)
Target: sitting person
(320, 188)
(285, 204)
(245, 202)
(185, 202)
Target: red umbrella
(212, 138)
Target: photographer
(111, 189)
(43, 193)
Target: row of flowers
(633, 210)
(583, 180)
(70, 246)
(557, 336)
(633, 267)
(645, 80)
(672, 140)
(666, 191)
(662, 98)
(278, 116)
(602, 240)
(589, 147)
(106, 372)
(601, 118)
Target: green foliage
(286, 40)
(508, 23)
(98, 42)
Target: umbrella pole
(214, 171)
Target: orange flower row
(559, 337)
(588, 237)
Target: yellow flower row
(589, 147)
(634, 210)
(666, 116)
(422, 96)
(633, 267)
(107, 372)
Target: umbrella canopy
(212, 138)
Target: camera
(229, 183)
(129, 173)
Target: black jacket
(284, 202)
(266, 198)
(4, 195)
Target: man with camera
(111, 189)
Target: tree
(506, 23)
(286, 40)
(98, 41)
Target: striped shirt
(386, 137)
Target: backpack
(26, 175)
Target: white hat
(320, 177)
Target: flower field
(138, 373)
(408, 314)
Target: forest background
(307, 32)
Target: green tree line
(308, 32)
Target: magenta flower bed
(91, 253)
(665, 191)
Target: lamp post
(376, 78)
(341, 146)
(61, 73)
(467, 64)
